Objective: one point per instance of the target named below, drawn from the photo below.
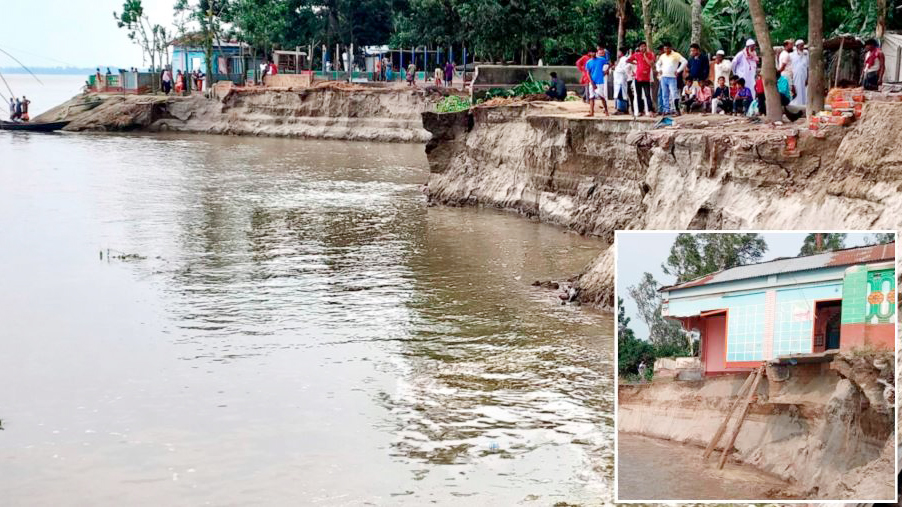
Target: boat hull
(33, 127)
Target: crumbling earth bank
(814, 428)
(355, 113)
(595, 177)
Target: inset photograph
(755, 366)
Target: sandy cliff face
(599, 176)
(814, 428)
(366, 114)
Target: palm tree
(696, 37)
(880, 30)
(621, 22)
(730, 22)
(815, 56)
(768, 62)
(646, 22)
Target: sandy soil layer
(814, 428)
(349, 112)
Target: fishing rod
(7, 86)
(22, 65)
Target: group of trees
(693, 256)
(522, 31)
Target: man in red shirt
(584, 79)
(645, 62)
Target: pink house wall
(715, 343)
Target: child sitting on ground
(687, 98)
(742, 99)
(702, 100)
(721, 101)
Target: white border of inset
(616, 248)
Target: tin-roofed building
(788, 306)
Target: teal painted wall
(745, 327)
(794, 316)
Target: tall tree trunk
(880, 30)
(815, 56)
(646, 23)
(621, 23)
(208, 49)
(696, 37)
(768, 62)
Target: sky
(77, 33)
(639, 252)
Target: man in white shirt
(799, 61)
(874, 64)
(784, 61)
(722, 67)
(622, 77)
(669, 65)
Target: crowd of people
(700, 83)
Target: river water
(197, 320)
(657, 470)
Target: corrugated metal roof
(845, 257)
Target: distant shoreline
(56, 71)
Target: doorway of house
(826, 324)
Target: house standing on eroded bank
(789, 306)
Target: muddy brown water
(298, 328)
(654, 469)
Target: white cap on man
(800, 42)
(750, 42)
(720, 52)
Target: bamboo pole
(726, 420)
(745, 412)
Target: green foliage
(528, 87)
(630, 350)
(661, 332)
(152, 38)
(504, 31)
(453, 104)
(829, 242)
(695, 255)
(730, 22)
(880, 238)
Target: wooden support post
(745, 412)
(726, 420)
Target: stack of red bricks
(844, 106)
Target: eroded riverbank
(819, 427)
(302, 329)
(335, 111)
(595, 176)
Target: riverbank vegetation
(522, 32)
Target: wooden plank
(745, 412)
(726, 420)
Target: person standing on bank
(644, 60)
(698, 66)
(745, 65)
(597, 68)
(670, 63)
(799, 61)
(449, 73)
(874, 65)
(411, 74)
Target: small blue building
(231, 59)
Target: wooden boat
(32, 126)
